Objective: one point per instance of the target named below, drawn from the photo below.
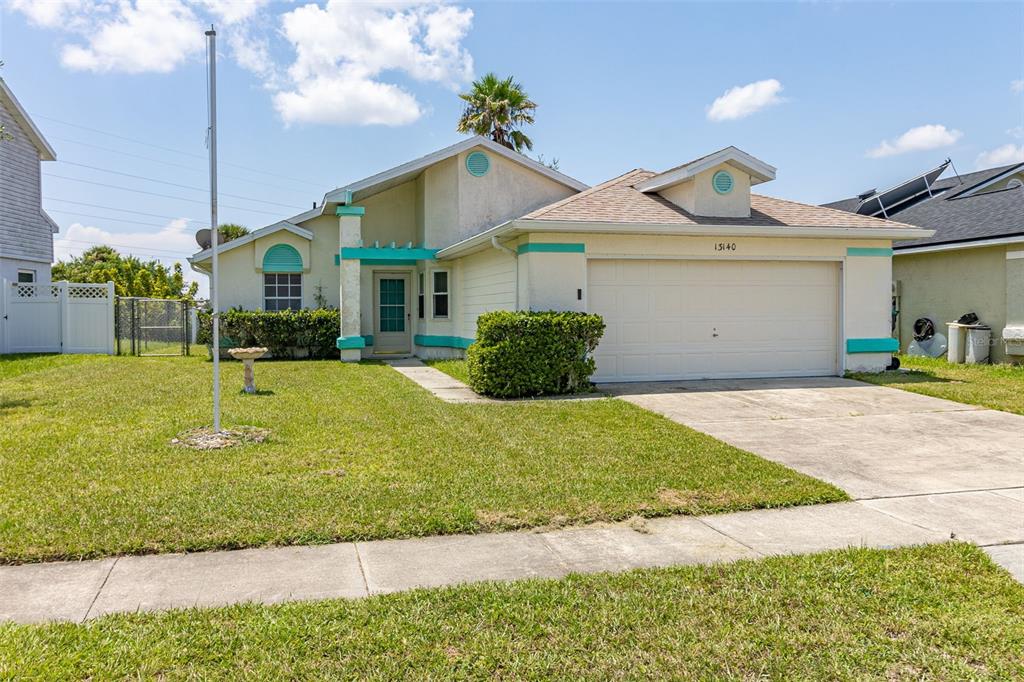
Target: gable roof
(251, 237)
(11, 103)
(367, 187)
(758, 170)
(620, 201)
(959, 211)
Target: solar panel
(896, 198)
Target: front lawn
(999, 387)
(936, 612)
(87, 467)
(456, 369)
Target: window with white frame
(440, 295)
(282, 291)
(26, 276)
(420, 294)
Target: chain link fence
(153, 326)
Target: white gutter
(976, 244)
(501, 247)
(807, 232)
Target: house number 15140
(725, 246)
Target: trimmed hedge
(281, 332)
(520, 353)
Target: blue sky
(839, 97)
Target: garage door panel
(694, 319)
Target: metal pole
(211, 57)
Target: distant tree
(553, 164)
(497, 108)
(233, 231)
(130, 275)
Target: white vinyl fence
(62, 317)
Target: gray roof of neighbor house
(958, 214)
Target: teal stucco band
(544, 247)
(348, 342)
(350, 210)
(442, 341)
(862, 251)
(886, 345)
(394, 256)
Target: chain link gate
(152, 326)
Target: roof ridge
(537, 213)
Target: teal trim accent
(543, 247)
(722, 182)
(385, 261)
(282, 258)
(478, 164)
(350, 210)
(337, 259)
(885, 345)
(349, 342)
(862, 251)
(395, 255)
(442, 341)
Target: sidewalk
(77, 591)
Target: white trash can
(979, 344)
(957, 342)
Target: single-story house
(695, 276)
(973, 261)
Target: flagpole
(211, 58)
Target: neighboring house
(694, 275)
(975, 260)
(26, 232)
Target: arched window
(282, 278)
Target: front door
(391, 313)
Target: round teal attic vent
(722, 182)
(478, 164)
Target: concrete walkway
(443, 386)
(77, 591)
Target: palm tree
(497, 108)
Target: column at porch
(350, 342)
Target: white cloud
(1016, 131)
(346, 54)
(1017, 85)
(1001, 156)
(921, 138)
(743, 100)
(175, 237)
(343, 48)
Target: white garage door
(693, 319)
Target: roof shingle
(618, 201)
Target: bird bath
(248, 356)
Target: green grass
(453, 368)
(1000, 387)
(87, 468)
(937, 612)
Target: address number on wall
(725, 246)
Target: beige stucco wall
(945, 285)
(698, 195)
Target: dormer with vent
(716, 185)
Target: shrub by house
(284, 332)
(523, 353)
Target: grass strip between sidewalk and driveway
(998, 387)
(355, 452)
(935, 612)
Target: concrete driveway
(871, 441)
(940, 466)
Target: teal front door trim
(863, 251)
(442, 341)
(348, 342)
(545, 247)
(393, 256)
(886, 345)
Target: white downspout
(501, 247)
